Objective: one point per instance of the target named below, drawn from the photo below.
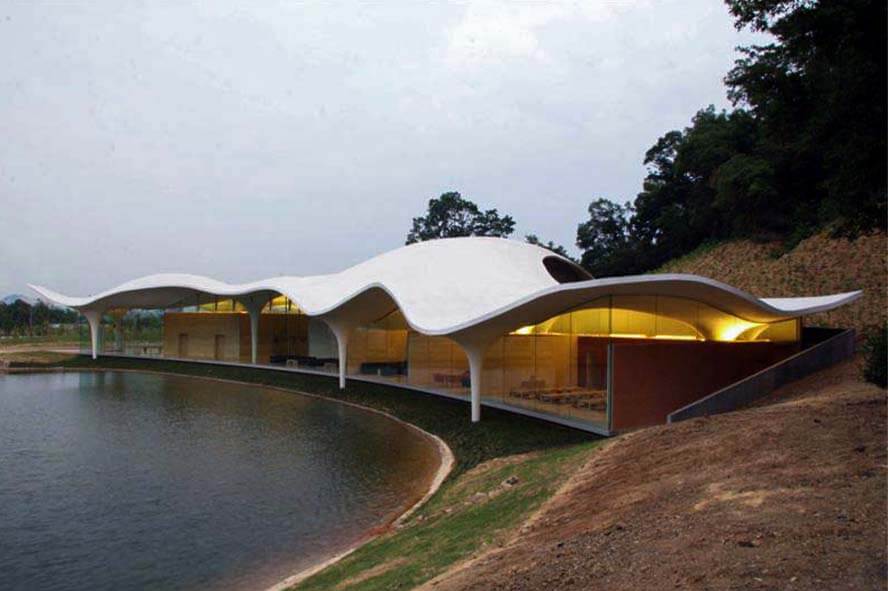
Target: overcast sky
(248, 141)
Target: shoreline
(446, 461)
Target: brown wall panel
(279, 334)
(202, 330)
(650, 380)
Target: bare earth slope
(786, 495)
(816, 266)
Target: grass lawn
(479, 509)
(65, 338)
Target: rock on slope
(786, 495)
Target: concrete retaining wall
(825, 353)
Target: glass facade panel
(281, 305)
(788, 331)
(218, 305)
(557, 367)
(128, 332)
(633, 316)
(676, 318)
(661, 317)
(594, 321)
(437, 363)
(380, 348)
(560, 366)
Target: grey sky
(248, 141)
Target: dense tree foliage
(21, 318)
(818, 93)
(804, 149)
(451, 216)
(605, 239)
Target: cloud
(493, 31)
(302, 138)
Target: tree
(20, 312)
(6, 321)
(803, 149)
(818, 93)
(41, 317)
(605, 240)
(452, 216)
(556, 248)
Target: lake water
(130, 481)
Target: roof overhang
(453, 287)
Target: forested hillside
(802, 151)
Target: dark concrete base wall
(826, 351)
(653, 379)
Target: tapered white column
(341, 329)
(475, 346)
(476, 367)
(254, 309)
(94, 318)
(342, 344)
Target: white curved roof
(449, 286)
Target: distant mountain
(13, 297)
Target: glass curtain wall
(380, 348)
(133, 332)
(283, 333)
(438, 364)
(217, 328)
(560, 366)
(137, 332)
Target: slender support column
(342, 343)
(254, 309)
(475, 346)
(341, 330)
(94, 318)
(475, 349)
(118, 336)
(255, 313)
(476, 366)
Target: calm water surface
(133, 481)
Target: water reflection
(124, 480)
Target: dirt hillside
(786, 495)
(817, 266)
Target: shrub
(875, 352)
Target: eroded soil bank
(790, 494)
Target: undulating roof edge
(447, 286)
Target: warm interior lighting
(661, 318)
(732, 329)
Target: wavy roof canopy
(454, 286)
